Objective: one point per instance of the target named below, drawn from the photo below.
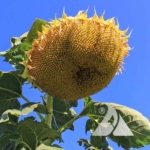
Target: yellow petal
(45, 29)
(101, 19)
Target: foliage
(29, 134)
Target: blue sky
(130, 88)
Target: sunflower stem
(48, 117)
(49, 105)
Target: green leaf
(16, 54)
(20, 147)
(44, 147)
(7, 127)
(5, 139)
(3, 128)
(39, 108)
(86, 144)
(9, 146)
(74, 103)
(32, 132)
(87, 101)
(19, 40)
(62, 113)
(21, 80)
(96, 141)
(90, 126)
(13, 119)
(91, 108)
(138, 124)
(37, 26)
(55, 145)
(10, 90)
(26, 109)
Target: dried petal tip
(64, 16)
(124, 32)
(95, 16)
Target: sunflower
(75, 57)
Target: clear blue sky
(130, 88)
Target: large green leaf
(138, 124)
(32, 132)
(135, 121)
(7, 127)
(62, 113)
(15, 73)
(10, 90)
(9, 146)
(5, 139)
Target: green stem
(49, 105)
(68, 123)
(40, 116)
(72, 120)
(48, 117)
(28, 101)
(25, 99)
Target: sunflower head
(75, 57)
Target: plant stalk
(49, 106)
(64, 127)
(48, 117)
